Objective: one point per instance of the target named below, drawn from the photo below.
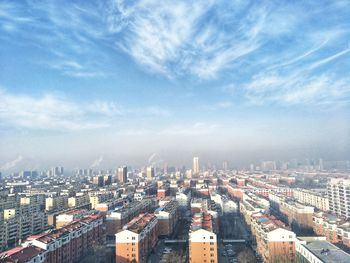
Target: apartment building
(104, 207)
(252, 204)
(69, 216)
(65, 245)
(79, 200)
(183, 197)
(318, 250)
(137, 239)
(198, 204)
(17, 224)
(338, 191)
(336, 229)
(298, 216)
(275, 243)
(54, 203)
(120, 216)
(202, 239)
(167, 218)
(100, 197)
(313, 198)
(30, 254)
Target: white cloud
(58, 113)
(176, 38)
(48, 112)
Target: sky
(103, 83)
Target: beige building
(313, 198)
(274, 242)
(56, 203)
(78, 201)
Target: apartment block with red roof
(137, 239)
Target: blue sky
(236, 80)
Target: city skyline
(117, 82)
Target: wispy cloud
(177, 38)
(52, 112)
(55, 112)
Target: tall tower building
(122, 174)
(321, 164)
(195, 165)
(150, 172)
(225, 165)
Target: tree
(246, 256)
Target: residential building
(59, 202)
(137, 239)
(318, 250)
(121, 215)
(167, 218)
(65, 245)
(275, 243)
(338, 191)
(202, 239)
(314, 198)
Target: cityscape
(206, 131)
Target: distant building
(123, 174)
(195, 165)
(150, 173)
(268, 165)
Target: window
(211, 237)
(133, 238)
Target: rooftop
(137, 224)
(20, 254)
(327, 252)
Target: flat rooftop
(327, 252)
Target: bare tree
(246, 256)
